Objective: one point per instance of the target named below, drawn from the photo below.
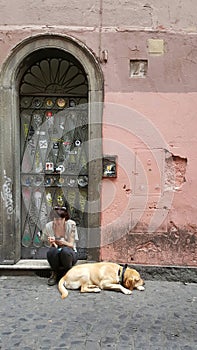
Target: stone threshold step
(30, 264)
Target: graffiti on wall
(6, 195)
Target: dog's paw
(127, 291)
(96, 290)
(140, 288)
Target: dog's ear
(130, 283)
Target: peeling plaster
(175, 171)
(127, 190)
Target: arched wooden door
(53, 99)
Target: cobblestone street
(33, 317)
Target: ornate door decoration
(54, 147)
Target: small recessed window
(138, 68)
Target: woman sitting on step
(61, 234)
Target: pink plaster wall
(173, 15)
(149, 211)
(151, 216)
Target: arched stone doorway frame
(10, 231)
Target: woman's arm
(48, 236)
(67, 242)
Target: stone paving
(33, 316)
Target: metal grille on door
(54, 149)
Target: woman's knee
(67, 250)
(51, 252)
(67, 257)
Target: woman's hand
(52, 242)
(64, 243)
(61, 242)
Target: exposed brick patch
(175, 172)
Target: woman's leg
(53, 258)
(68, 258)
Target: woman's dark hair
(60, 212)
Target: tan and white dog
(93, 277)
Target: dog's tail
(62, 288)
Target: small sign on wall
(109, 166)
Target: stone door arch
(10, 82)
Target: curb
(41, 268)
(183, 274)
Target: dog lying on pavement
(93, 277)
